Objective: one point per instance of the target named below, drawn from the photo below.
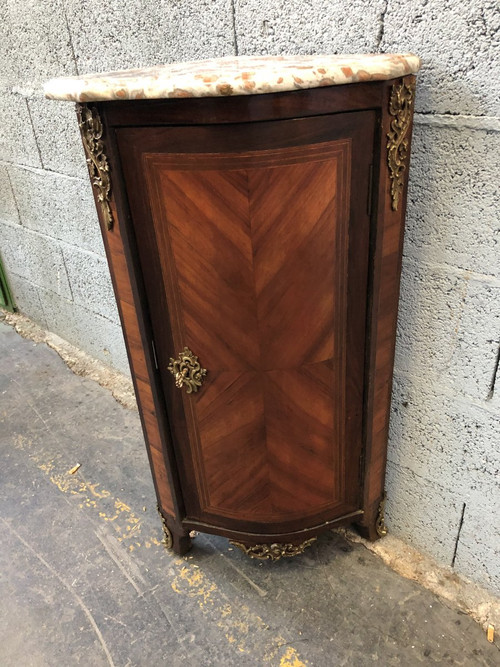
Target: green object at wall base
(6, 300)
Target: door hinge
(155, 358)
(370, 191)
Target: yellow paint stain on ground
(291, 659)
(100, 501)
(273, 651)
(237, 625)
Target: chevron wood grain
(253, 241)
(253, 260)
(258, 231)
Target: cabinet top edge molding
(230, 76)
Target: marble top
(244, 75)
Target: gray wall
(444, 455)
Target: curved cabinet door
(254, 242)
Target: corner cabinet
(254, 242)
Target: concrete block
(445, 439)
(7, 64)
(472, 366)
(58, 137)
(478, 549)
(453, 198)
(92, 333)
(36, 258)
(36, 43)
(58, 206)
(443, 452)
(449, 329)
(296, 27)
(459, 44)
(422, 513)
(430, 310)
(8, 206)
(90, 282)
(425, 515)
(27, 298)
(17, 138)
(494, 396)
(423, 433)
(148, 34)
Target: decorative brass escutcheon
(187, 371)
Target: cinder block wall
(444, 456)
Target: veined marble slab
(244, 75)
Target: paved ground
(85, 580)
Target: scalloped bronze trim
(401, 108)
(380, 526)
(273, 551)
(167, 535)
(97, 162)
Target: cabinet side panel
(128, 307)
(386, 270)
(135, 349)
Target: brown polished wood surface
(128, 308)
(256, 253)
(258, 231)
(251, 250)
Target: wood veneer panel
(161, 477)
(302, 425)
(119, 267)
(149, 413)
(253, 232)
(207, 239)
(149, 150)
(232, 452)
(128, 308)
(253, 261)
(248, 108)
(132, 335)
(386, 271)
(298, 239)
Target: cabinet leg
(181, 543)
(373, 526)
(178, 541)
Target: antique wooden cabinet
(252, 212)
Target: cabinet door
(253, 241)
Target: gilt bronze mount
(380, 526)
(97, 162)
(274, 551)
(167, 535)
(401, 109)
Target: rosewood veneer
(254, 243)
